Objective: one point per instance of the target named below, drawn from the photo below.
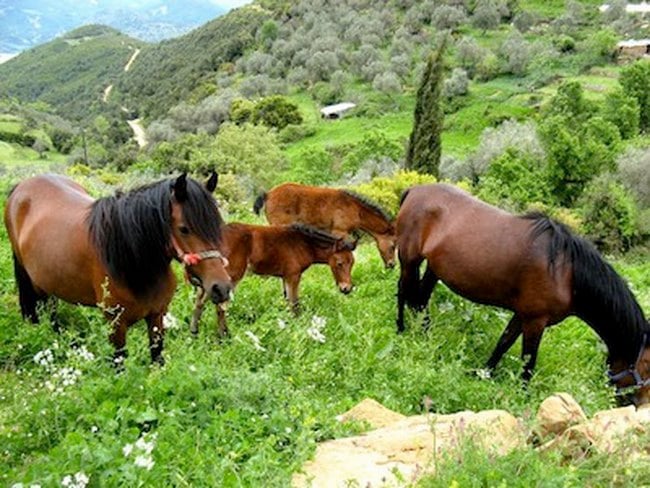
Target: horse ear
(211, 184)
(180, 188)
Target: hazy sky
(231, 3)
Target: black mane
(369, 205)
(319, 237)
(601, 297)
(132, 231)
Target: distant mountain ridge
(28, 23)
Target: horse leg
(507, 339)
(407, 289)
(427, 284)
(532, 337)
(291, 284)
(156, 337)
(28, 297)
(221, 322)
(201, 298)
(118, 339)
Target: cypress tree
(424, 147)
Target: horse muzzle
(345, 288)
(220, 292)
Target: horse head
(633, 381)
(341, 262)
(195, 235)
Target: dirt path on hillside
(130, 62)
(138, 132)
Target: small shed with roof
(633, 49)
(336, 111)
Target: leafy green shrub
(622, 111)
(375, 145)
(276, 111)
(515, 181)
(387, 190)
(635, 80)
(610, 214)
(634, 172)
(293, 133)
(314, 167)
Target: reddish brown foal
(337, 211)
(283, 251)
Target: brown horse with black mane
(529, 264)
(115, 252)
(283, 251)
(337, 211)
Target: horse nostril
(220, 292)
(345, 289)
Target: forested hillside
(71, 72)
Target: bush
(497, 141)
(374, 145)
(276, 111)
(635, 80)
(610, 214)
(457, 84)
(293, 133)
(314, 167)
(622, 111)
(387, 190)
(515, 181)
(634, 172)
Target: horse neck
(369, 219)
(604, 301)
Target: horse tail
(601, 297)
(259, 203)
(27, 295)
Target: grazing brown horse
(528, 264)
(280, 250)
(115, 252)
(337, 211)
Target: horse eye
(184, 230)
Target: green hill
(71, 72)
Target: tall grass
(234, 413)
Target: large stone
(557, 413)
(607, 432)
(372, 412)
(406, 449)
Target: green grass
(228, 414)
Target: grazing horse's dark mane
(369, 205)
(601, 297)
(317, 236)
(132, 230)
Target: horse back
(45, 219)
(481, 252)
(325, 208)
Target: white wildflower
(282, 324)
(83, 353)
(484, 373)
(170, 322)
(316, 334)
(94, 429)
(146, 462)
(79, 480)
(192, 368)
(255, 340)
(318, 322)
(127, 450)
(44, 358)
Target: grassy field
(249, 411)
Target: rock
(608, 431)
(372, 412)
(404, 450)
(557, 413)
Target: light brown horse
(528, 264)
(115, 252)
(283, 251)
(339, 212)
